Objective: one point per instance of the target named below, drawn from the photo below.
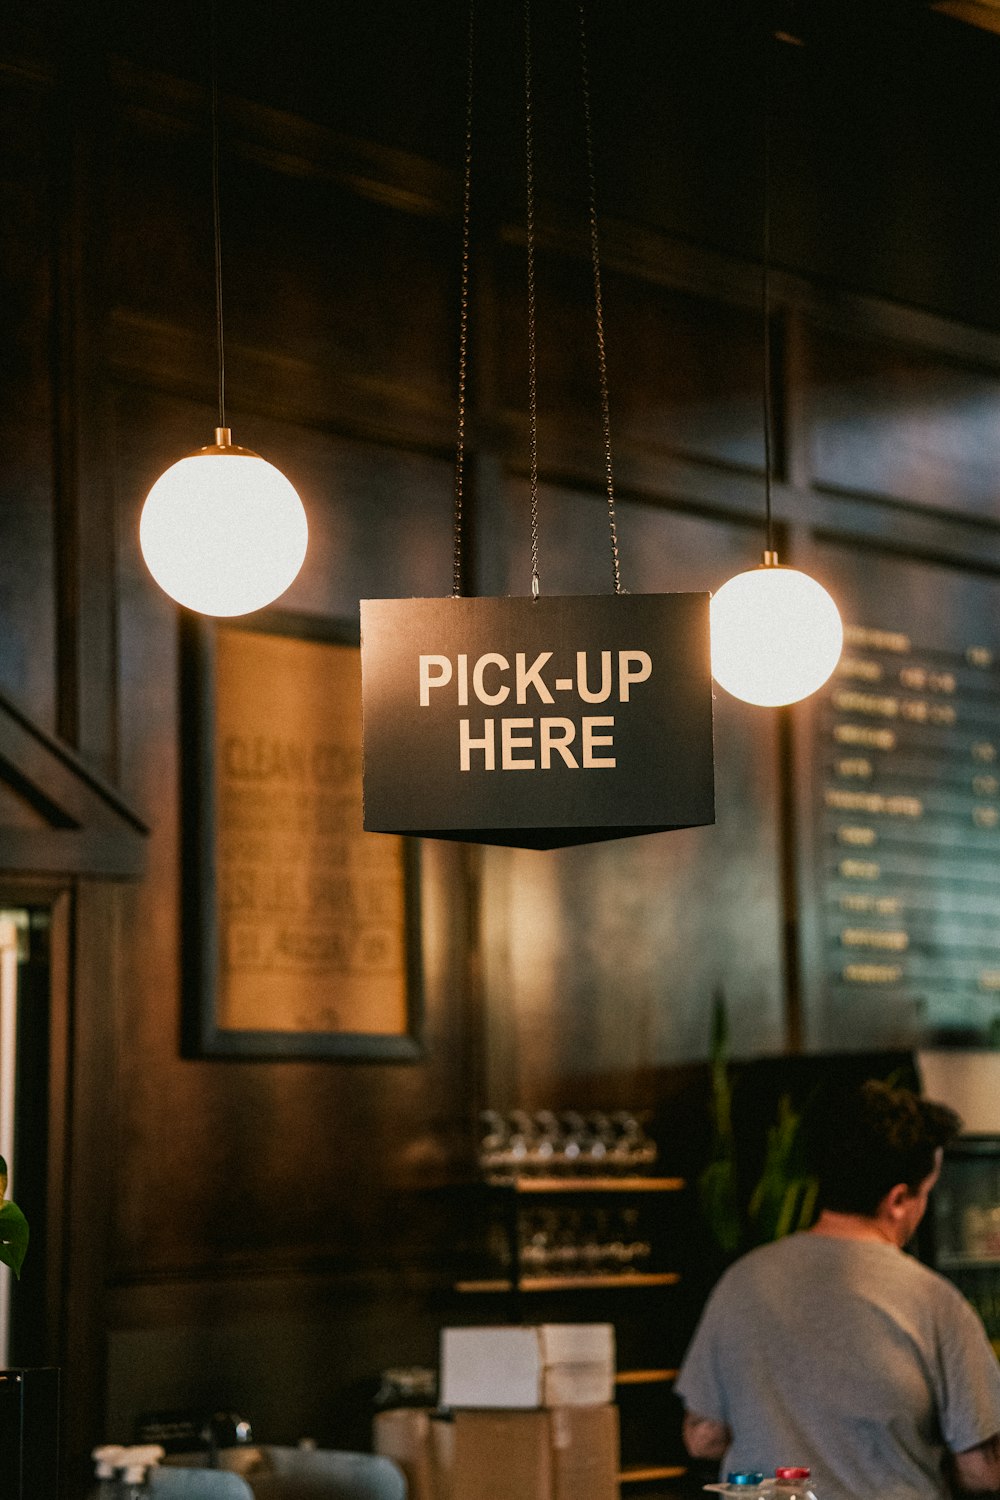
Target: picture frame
(301, 930)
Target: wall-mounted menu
(908, 776)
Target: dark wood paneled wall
(271, 1234)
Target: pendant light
(222, 531)
(776, 633)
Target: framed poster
(302, 930)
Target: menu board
(908, 777)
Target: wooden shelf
(645, 1377)
(520, 1197)
(571, 1283)
(639, 1474)
(592, 1184)
(958, 1262)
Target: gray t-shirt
(846, 1356)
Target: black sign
(537, 722)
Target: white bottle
(107, 1460)
(135, 1464)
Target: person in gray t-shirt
(834, 1349)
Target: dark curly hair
(872, 1140)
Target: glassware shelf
(570, 1283)
(956, 1261)
(528, 1185)
(641, 1474)
(645, 1377)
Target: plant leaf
(13, 1236)
(717, 1193)
(717, 1187)
(784, 1198)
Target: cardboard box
(569, 1453)
(577, 1385)
(420, 1446)
(586, 1456)
(578, 1363)
(501, 1455)
(505, 1368)
(577, 1343)
(490, 1367)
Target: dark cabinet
(960, 1236)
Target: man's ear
(897, 1198)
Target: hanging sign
(537, 722)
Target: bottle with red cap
(790, 1483)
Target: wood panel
(76, 824)
(903, 424)
(27, 541)
(298, 1356)
(603, 961)
(684, 372)
(373, 530)
(326, 281)
(92, 1129)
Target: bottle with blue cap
(742, 1482)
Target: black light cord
(766, 294)
(216, 214)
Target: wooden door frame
(81, 1118)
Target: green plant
(13, 1228)
(784, 1197)
(717, 1184)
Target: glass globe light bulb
(223, 531)
(776, 635)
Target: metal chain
(463, 325)
(532, 345)
(602, 362)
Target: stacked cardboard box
(550, 1364)
(421, 1443)
(554, 1453)
(527, 1414)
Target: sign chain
(463, 324)
(532, 345)
(602, 363)
(459, 505)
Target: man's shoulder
(760, 1260)
(813, 1250)
(817, 1255)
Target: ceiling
(982, 13)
